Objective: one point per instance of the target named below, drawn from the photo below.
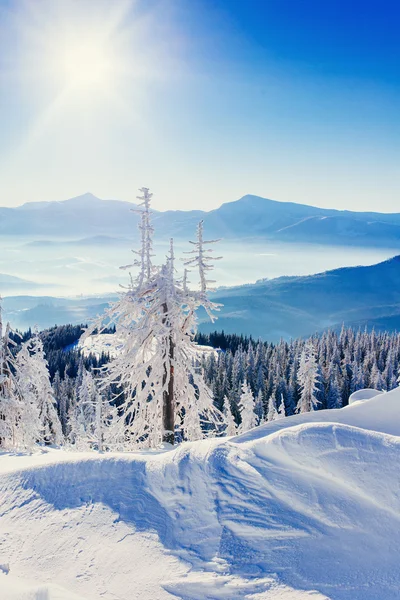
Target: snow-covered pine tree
(376, 379)
(61, 401)
(75, 425)
(68, 394)
(308, 379)
(281, 409)
(246, 408)
(250, 367)
(358, 378)
(388, 374)
(231, 428)
(334, 396)
(94, 414)
(220, 383)
(10, 398)
(259, 408)
(272, 413)
(161, 384)
(29, 423)
(34, 381)
(345, 363)
(292, 395)
(238, 372)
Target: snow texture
(365, 394)
(303, 507)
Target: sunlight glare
(86, 64)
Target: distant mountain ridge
(11, 284)
(270, 309)
(298, 306)
(249, 217)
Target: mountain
(10, 284)
(304, 507)
(45, 311)
(298, 306)
(95, 240)
(286, 221)
(250, 217)
(283, 307)
(83, 216)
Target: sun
(86, 64)
(72, 53)
(68, 48)
(81, 65)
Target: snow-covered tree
(259, 408)
(92, 415)
(358, 378)
(76, 426)
(33, 378)
(29, 422)
(281, 409)
(246, 408)
(162, 389)
(334, 396)
(376, 380)
(272, 413)
(308, 379)
(231, 428)
(10, 398)
(61, 399)
(238, 374)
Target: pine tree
(292, 395)
(161, 383)
(272, 410)
(61, 401)
(281, 409)
(10, 398)
(334, 395)
(358, 378)
(94, 416)
(76, 426)
(29, 422)
(308, 379)
(34, 381)
(246, 407)
(376, 380)
(231, 428)
(259, 408)
(238, 375)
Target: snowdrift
(365, 394)
(305, 507)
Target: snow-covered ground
(305, 507)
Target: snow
(302, 507)
(365, 394)
(108, 343)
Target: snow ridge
(302, 507)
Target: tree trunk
(168, 395)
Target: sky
(203, 101)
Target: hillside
(297, 306)
(303, 507)
(250, 216)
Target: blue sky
(203, 101)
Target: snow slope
(305, 507)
